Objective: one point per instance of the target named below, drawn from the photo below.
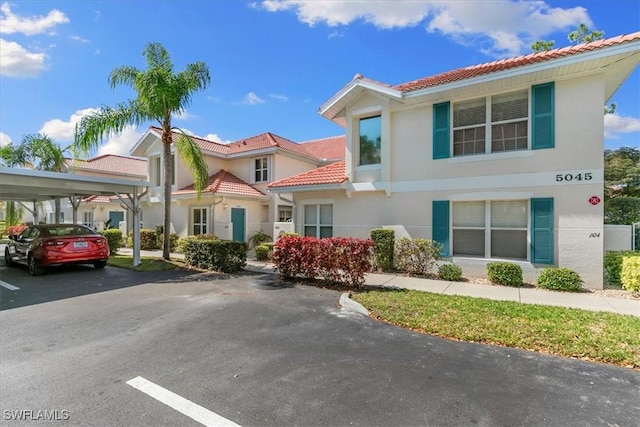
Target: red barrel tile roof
(330, 174)
(111, 163)
(224, 182)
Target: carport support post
(133, 204)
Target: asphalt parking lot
(83, 344)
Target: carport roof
(32, 185)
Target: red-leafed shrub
(15, 230)
(337, 259)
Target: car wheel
(34, 268)
(7, 257)
(100, 264)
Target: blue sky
(272, 63)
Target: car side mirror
(13, 237)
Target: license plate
(79, 245)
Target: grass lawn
(148, 263)
(595, 336)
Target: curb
(348, 304)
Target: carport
(26, 185)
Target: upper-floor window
(370, 140)
(261, 169)
(502, 120)
(157, 170)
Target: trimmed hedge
(613, 265)
(560, 279)
(215, 254)
(383, 247)
(630, 275)
(416, 256)
(504, 273)
(336, 259)
(181, 245)
(114, 239)
(262, 252)
(450, 272)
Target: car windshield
(69, 230)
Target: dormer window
(261, 169)
(370, 140)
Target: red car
(48, 245)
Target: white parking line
(8, 286)
(180, 404)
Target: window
(200, 219)
(507, 126)
(285, 213)
(87, 218)
(370, 140)
(261, 169)
(157, 170)
(495, 229)
(318, 220)
(52, 217)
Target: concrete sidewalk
(584, 301)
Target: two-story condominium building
(235, 203)
(502, 160)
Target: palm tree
(160, 93)
(36, 151)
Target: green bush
(504, 273)
(613, 265)
(560, 279)
(148, 239)
(215, 254)
(262, 252)
(630, 275)
(259, 238)
(114, 239)
(450, 272)
(173, 241)
(181, 245)
(383, 247)
(416, 256)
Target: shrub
(416, 256)
(560, 279)
(336, 259)
(630, 275)
(383, 246)
(114, 239)
(173, 241)
(504, 273)
(15, 230)
(262, 252)
(148, 239)
(613, 265)
(181, 244)
(3, 228)
(215, 254)
(259, 238)
(450, 272)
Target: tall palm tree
(160, 93)
(36, 151)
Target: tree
(36, 151)
(583, 34)
(160, 93)
(622, 210)
(622, 172)
(543, 45)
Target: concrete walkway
(584, 301)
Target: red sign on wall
(594, 200)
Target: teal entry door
(237, 220)
(116, 217)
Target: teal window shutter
(543, 121)
(440, 224)
(542, 230)
(441, 132)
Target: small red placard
(594, 200)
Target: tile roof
(319, 151)
(111, 163)
(331, 148)
(224, 182)
(101, 199)
(330, 174)
(506, 64)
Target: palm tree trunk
(168, 173)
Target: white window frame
(488, 228)
(359, 120)
(85, 215)
(52, 217)
(488, 125)
(282, 213)
(204, 222)
(318, 225)
(264, 169)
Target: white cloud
(615, 124)
(79, 39)
(121, 143)
(183, 115)
(4, 139)
(60, 130)
(16, 61)
(11, 23)
(216, 138)
(279, 96)
(253, 99)
(499, 28)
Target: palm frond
(192, 156)
(124, 75)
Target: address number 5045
(574, 177)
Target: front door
(115, 217)
(237, 221)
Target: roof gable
(224, 183)
(111, 164)
(326, 175)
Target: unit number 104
(571, 177)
